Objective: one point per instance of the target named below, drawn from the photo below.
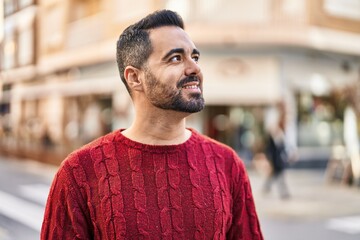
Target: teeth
(191, 87)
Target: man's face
(173, 77)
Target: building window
(83, 8)
(9, 53)
(9, 6)
(237, 126)
(18, 47)
(25, 3)
(12, 6)
(338, 14)
(320, 120)
(26, 51)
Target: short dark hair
(134, 47)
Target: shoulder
(225, 158)
(83, 164)
(89, 153)
(214, 146)
(221, 152)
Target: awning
(69, 88)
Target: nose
(192, 67)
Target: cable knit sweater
(115, 188)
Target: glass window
(53, 28)
(9, 6)
(9, 52)
(319, 121)
(26, 46)
(25, 3)
(239, 127)
(347, 9)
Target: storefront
(315, 80)
(242, 89)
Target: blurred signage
(233, 80)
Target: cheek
(157, 88)
(165, 79)
(172, 74)
(166, 90)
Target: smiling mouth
(192, 85)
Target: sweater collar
(157, 148)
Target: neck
(162, 127)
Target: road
(314, 211)
(24, 186)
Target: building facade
(61, 88)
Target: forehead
(163, 39)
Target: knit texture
(115, 188)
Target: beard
(166, 97)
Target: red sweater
(115, 188)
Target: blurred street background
(293, 61)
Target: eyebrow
(179, 50)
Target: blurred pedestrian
(156, 179)
(276, 154)
(351, 140)
(351, 131)
(46, 140)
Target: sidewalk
(311, 197)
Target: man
(156, 179)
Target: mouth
(192, 86)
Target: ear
(133, 78)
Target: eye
(196, 58)
(176, 58)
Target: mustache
(187, 80)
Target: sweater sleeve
(245, 222)
(64, 216)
